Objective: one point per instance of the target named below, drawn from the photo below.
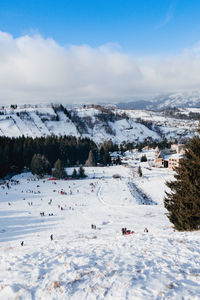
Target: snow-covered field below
(85, 263)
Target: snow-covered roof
(175, 156)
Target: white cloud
(34, 69)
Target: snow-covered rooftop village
(97, 227)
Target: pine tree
(183, 202)
(81, 172)
(91, 161)
(74, 174)
(39, 165)
(101, 154)
(143, 158)
(107, 158)
(140, 146)
(3, 164)
(47, 165)
(59, 171)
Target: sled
(128, 232)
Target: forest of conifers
(17, 153)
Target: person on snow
(124, 231)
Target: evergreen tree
(3, 164)
(140, 146)
(17, 153)
(107, 158)
(140, 171)
(143, 158)
(81, 172)
(183, 202)
(91, 161)
(74, 174)
(101, 154)
(121, 148)
(47, 165)
(59, 171)
(39, 165)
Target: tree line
(17, 153)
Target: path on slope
(115, 193)
(81, 263)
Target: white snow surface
(62, 127)
(127, 127)
(83, 263)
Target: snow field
(40, 121)
(82, 263)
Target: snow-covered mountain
(182, 99)
(161, 102)
(97, 122)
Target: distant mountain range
(161, 102)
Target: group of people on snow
(126, 231)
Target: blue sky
(62, 50)
(147, 27)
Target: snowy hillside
(181, 99)
(45, 121)
(85, 263)
(168, 126)
(99, 123)
(161, 102)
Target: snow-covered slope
(83, 263)
(181, 99)
(170, 127)
(98, 123)
(160, 102)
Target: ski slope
(83, 263)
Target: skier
(51, 237)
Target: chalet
(169, 157)
(159, 162)
(173, 160)
(160, 157)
